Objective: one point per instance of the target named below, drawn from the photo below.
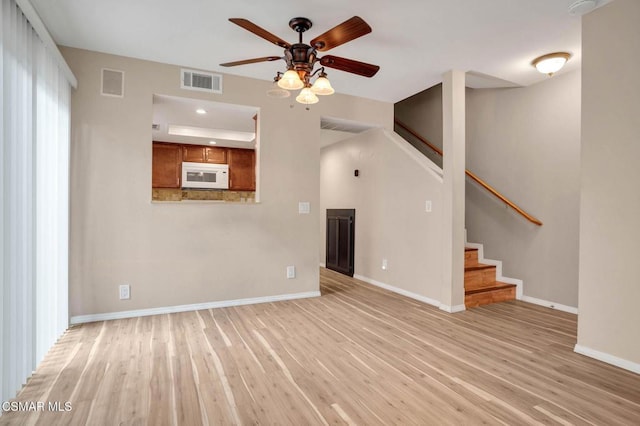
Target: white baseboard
(608, 358)
(322, 265)
(398, 290)
(193, 307)
(552, 305)
(452, 309)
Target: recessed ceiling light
(212, 142)
(551, 63)
(201, 111)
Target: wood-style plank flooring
(356, 355)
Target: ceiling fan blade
(340, 34)
(251, 61)
(260, 32)
(349, 65)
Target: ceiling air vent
(112, 83)
(201, 81)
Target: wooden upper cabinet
(216, 155)
(204, 154)
(242, 169)
(193, 153)
(167, 165)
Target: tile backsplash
(167, 194)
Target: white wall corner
(608, 358)
(452, 309)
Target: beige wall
(173, 254)
(389, 197)
(610, 198)
(526, 143)
(423, 113)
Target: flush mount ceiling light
(201, 111)
(551, 63)
(301, 58)
(582, 7)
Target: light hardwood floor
(356, 355)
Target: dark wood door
(167, 165)
(242, 169)
(341, 224)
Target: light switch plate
(303, 207)
(291, 272)
(427, 206)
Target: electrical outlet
(384, 264)
(427, 206)
(125, 292)
(291, 272)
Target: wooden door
(167, 165)
(341, 240)
(242, 169)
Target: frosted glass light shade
(551, 63)
(322, 86)
(290, 81)
(307, 97)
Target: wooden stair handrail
(471, 175)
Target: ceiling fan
(301, 58)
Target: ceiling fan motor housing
(302, 57)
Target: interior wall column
(453, 133)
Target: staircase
(480, 284)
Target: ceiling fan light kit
(551, 63)
(301, 58)
(307, 97)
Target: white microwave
(205, 176)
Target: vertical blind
(34, 199)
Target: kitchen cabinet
(168, 158)
(166, 166)
(242, 169)
(204, 154)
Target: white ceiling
(413, 41)
(174, 111)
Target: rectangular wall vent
(112, 83)
(201, 81)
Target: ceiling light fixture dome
(582, 7)
(322, 86)
(291, 81)
(307, 97)
(551, 63)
